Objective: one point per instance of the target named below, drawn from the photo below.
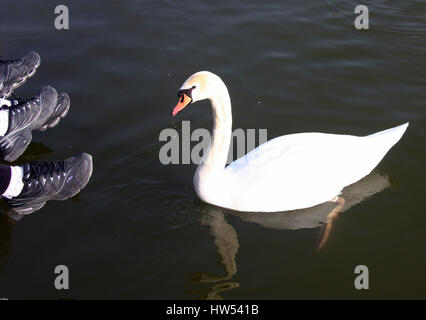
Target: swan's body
(289, 172)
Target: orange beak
(184, 100)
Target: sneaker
(25, 117)
(14, 73)
(54, 180)
(61, 110)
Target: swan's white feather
(302, 170)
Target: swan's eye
(188, 92)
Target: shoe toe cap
(32, 59)
(48, 98)
(83, 168)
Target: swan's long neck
(214, 160)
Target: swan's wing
(302, 170)
(291, 172)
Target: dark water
(137, 230)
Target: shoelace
(19, 104)
(34, 171)
(17, 100)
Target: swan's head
(201, 85)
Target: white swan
(290, 172)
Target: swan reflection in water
(321, 216)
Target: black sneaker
(61, 110)
(25, 117)
(54, 180)
(14, 73)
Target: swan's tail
(392, 135)
(384, 140)
(375, 146)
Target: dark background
(136, 230)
